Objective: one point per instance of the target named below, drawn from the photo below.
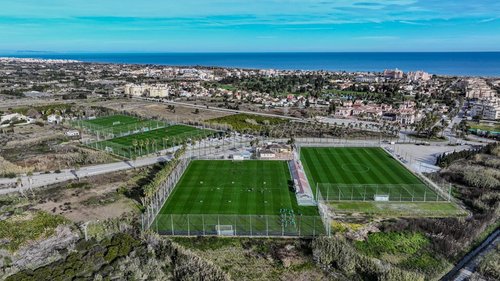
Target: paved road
(39, 180)
(422, 157)
(468, 265)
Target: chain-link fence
(155, 204)
(239, 225)
(376, 192)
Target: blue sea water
(453, 63)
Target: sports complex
(362, 174)
(264, 197)
(130, 136)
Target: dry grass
(150, 109)
(7, 168)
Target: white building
(419, 76)
(393, 73)
(72, 133)
(54, 119)
(487, 109)
(159, 91)
(477, 88)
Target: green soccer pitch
(108, 121)
(116, 125)
(250, 187)
(251, 197)
(359, 173)
(144, 143)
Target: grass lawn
(213, 192)
(358, 173)
(150, 141)
(399, 209)
(245, 121)
(484, 126)
(109, 121)
(118, 125)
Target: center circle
(355, 168)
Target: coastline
(473, 64)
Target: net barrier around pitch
(238, 225)
(329, 192)
(154, 205)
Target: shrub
(392, 243)
(19, 230)
(490, 265)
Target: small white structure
(238, 157)
(381, 197)
(72, 133)
(54, 119)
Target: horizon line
(34, 52)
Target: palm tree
(146, 143)
(134, 144)
(141, 144)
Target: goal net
(381, 197)
(224, 230)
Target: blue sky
(249, 25)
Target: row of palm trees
(150, 145)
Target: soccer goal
(224, 230)
(381, 197)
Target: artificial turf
(358, 173)
(251, 197)
(250, 187)
(108, 121)
(118, 125)
(150, 141)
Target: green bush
(18, 230)
(490, 265)
(241, 122)
(392, 243)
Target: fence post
(189, 233)
(172, 223)
(203, 222)
(235, 216)
(299, 219)
(267, 227)
(314, 227)
(251, 232)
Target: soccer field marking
(344, 166)
(259, 188)
(355, 168)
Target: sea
(442, 63)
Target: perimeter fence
(154, 206)
(239, 225)
(329, 192)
